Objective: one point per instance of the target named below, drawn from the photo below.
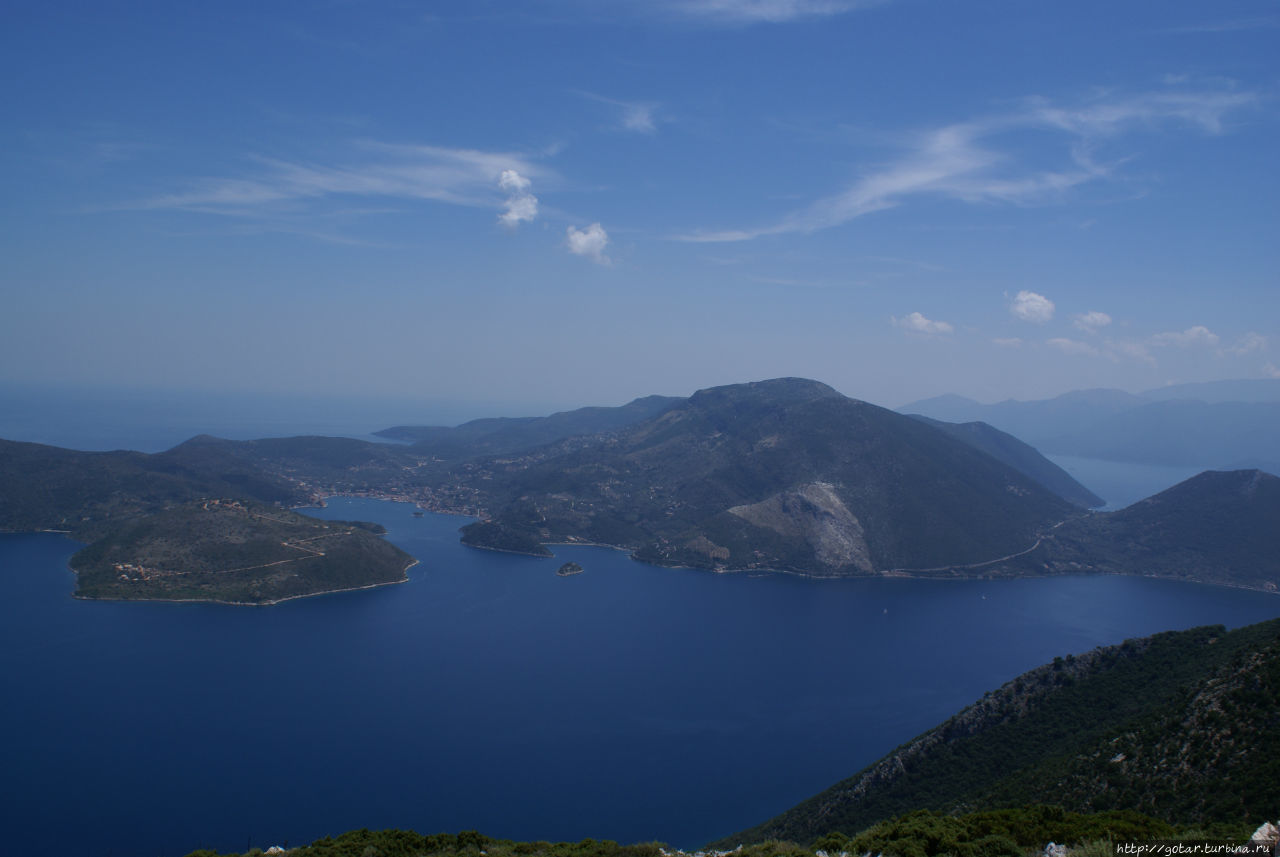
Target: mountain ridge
(1208, 424)
(686, 487)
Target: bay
(628, 702)
(1123, 483)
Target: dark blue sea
(628, 702)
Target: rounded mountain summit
(785, 474)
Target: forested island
(235, 552)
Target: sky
(556, 203)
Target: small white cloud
(1007, 342)
(1092, 321)
(918, 323)
(521, 206)
(1247, 344)
(1072, 346)
(589, 242)
(519, 209)
(1271, 370)
(512, 181)
(1031, 307)
(1197, 335)
(638, 116)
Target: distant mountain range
(783, 475)
(1221, 425)
(1181, 726)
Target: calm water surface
(628, 702)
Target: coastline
(957, 573)
(547, 555)
(271, 603)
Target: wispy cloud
(1007, 342)
(372, 170)
(1261, 22)
(1247, 344)
(1117, 351)
(1092, 321)
(590, 242)
(638, 116)
(1108, 116)
(917, 323)
(762, 11)
(1197, 335)
(1121, 349)
(1073, 346)
(964, 161)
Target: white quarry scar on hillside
(816, 515)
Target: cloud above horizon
(1091, 321)
(1117, 351)
(1032, 307)
(637, 116)
(1073, 346)
(465, 177)
(590, 242)
(762, 11)
(521, 206)
(965, 161)
(1248, 343)
(1196, 335)
(917, 323)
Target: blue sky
(564, 202)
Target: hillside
(44, 487)
(995, 833)
(1169, 725)
(1020, 456)
(783, 474)
(1217, 527)
(227, 550)
(495, 436)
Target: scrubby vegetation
(468, 843)
(232, 550)
(1020, 832)
(1180, 726)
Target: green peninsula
(235, 551)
